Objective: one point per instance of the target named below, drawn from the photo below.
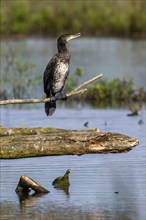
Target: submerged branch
(76, 91)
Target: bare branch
(76, 91)
(88, 82)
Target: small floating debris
(105, 123)
(86, 124)
(140, 122)
(133, 114)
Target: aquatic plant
(107, 93)
(114, 91)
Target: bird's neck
(62, 48)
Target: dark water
(94, 178)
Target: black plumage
(57, 72)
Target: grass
(91, 18)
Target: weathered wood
(30, 142)
(26, 183)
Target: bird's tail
(50, 108)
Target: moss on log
(31, 142)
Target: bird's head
(63, 39)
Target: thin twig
(88, 82)
(76, 91)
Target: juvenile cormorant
(57, 72)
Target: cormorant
(57, 72)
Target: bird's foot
(61, 97)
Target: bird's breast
(61, 74)
(63, 68)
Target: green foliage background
(94, 17)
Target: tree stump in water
(31, 142)
(26, 183)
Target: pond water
(102, 186)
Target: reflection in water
(53, 212)
(65, 188)
(27, 200)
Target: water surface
(102, 186)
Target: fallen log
(26, 183)
(32, 142)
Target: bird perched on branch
(57, 72)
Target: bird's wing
(49, 73)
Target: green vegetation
(108, 93)
(114, 92)
(104, 91)
(91, 18)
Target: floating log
(32, 142)
(26, 183)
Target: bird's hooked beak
(73, 36)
